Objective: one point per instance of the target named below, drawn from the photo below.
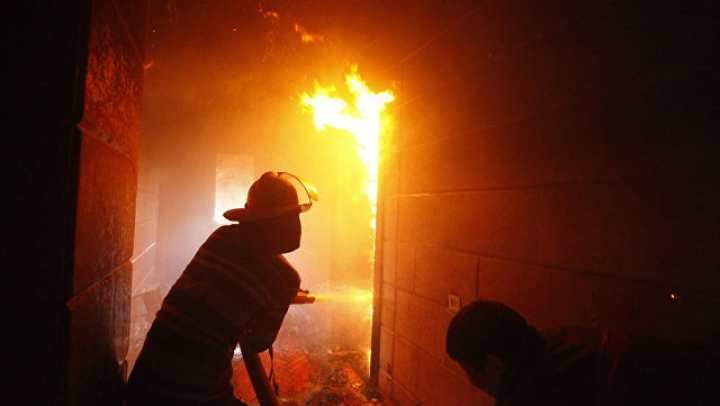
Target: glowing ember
(269, 14)
(361, 117)
(306, 37)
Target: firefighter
(510, 360)
(237, 287)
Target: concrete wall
(99, 302)
(560, 157)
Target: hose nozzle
(303, 297)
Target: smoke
(217, 86)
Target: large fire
(360, 116)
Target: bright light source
(361, 116)
(234, 174)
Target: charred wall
(560, 157)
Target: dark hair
(485, 328)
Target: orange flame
(361, 117)
(306, 37)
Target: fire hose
(258, 376)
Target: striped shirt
(228, 290)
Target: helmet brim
(259, 213)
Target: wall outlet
(454, 302)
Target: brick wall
(560, 157)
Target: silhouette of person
(237, 287)
(509, 359)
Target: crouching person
(237, 287)
(510, 360)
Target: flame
(306, 37)
(361, 117)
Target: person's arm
(264, 328)
(266, 322)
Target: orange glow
(672, 296)
(269, 14)
(360, 116)
(306, 37)
(348, 295)
(351, 296)
(234, 174)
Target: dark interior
(562, 157)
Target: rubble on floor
(334, 377)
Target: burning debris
(322, 378)
(341, 386)
(307, 370)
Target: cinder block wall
(560, 157)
